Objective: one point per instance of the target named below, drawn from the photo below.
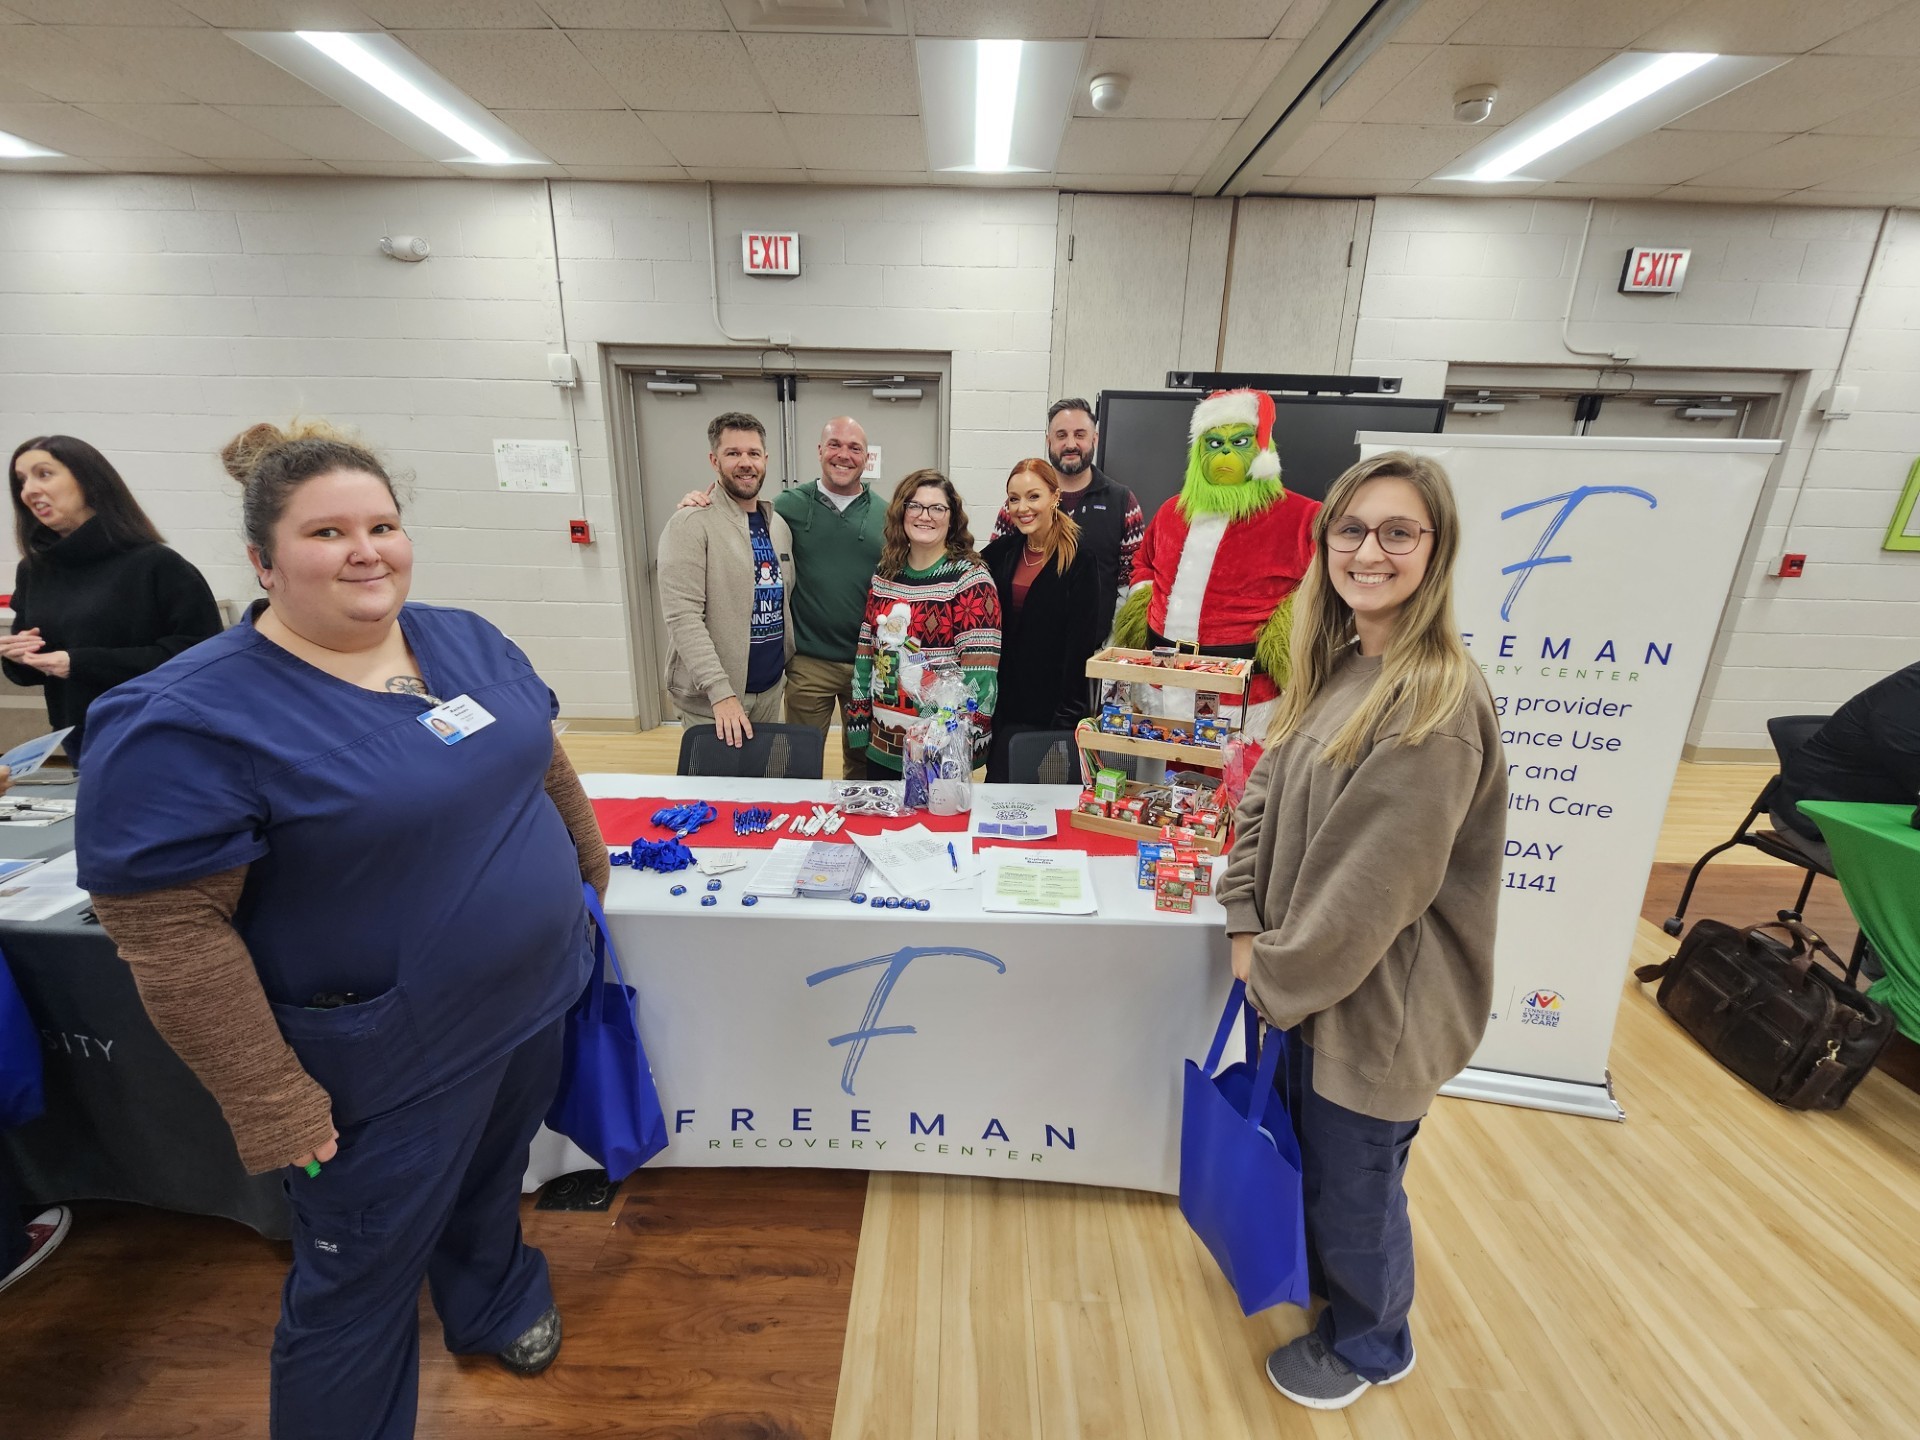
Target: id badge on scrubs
(454, 720)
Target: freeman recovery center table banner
(1592, 576)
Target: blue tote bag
(1240, 1167)
(607, 1104)
(21, 1096)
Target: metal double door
(674, 397)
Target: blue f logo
(1568, 501)
(892, 967)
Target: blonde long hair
(1063, 540)
(1425, 672)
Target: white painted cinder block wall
(1771, 288)
(157, 315)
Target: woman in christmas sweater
(932, 602)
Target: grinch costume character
(1220, 561)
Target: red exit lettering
(1653, 269)
(769, 254)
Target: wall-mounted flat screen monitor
(1143, 436)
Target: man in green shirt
(837, 522)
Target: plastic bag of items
(938, 761)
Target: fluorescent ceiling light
(12, 147)
(1628, 96)
(996, 107)
(996, 88)
(386, 84)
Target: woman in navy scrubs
(361, 932)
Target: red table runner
(624, 821)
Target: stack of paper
(43, 891)
(780, 873)
(831, 871)
(1038, 882)
(917, 862)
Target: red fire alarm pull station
(579, 532)
(1792, 567)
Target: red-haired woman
(1051, 615)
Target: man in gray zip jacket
(726, 583)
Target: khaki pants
(813, 685)
(764, 706)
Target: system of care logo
(1542, 1007)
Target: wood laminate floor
(1712, 1267)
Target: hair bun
(246, 450)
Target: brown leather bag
(1799, 1035)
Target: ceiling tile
(64, 69)
(1808, 160)
(675, 70)
(1524, 76)
(588, 137)
(851, 142)
(637, 14)
(1900, 176)
(1435, 22)
(1803, 93)
(1308, 148)
(1190, 20)
(280, 14)
(1888, 115)
(1266, 68)
(1613, 23)
(103, 12)
(394, 170)
(151, 165)
(69, 129)
(1004, 19)
(724, 141)
(326, 132)
(1393, 152)
(1671, 157)
(1108, 184)
(870, 177)
(837, 74)
(1300, 18)
(200, 63)
(1326, 185)
(514, 69)
(198, 130)
(1170, 79)
(1895, 33)
(1720, 195)
(1122, 147)
(11, 89)
(728, 175)
(456, 14)
(1847, 200)
(626, 172)
(1760, 27)
(235, 166)
(1377, 79)
(1577, 190)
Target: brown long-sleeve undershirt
(201, 991)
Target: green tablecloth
(1876, 854)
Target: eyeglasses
(1396, 537)
(932, 512)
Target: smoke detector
(1107, 93)
(1474, 104)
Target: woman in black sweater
(1051, 617)
(97, 598)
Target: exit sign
(1653, 272)
(764, 254)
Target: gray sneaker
(1308, 1373)
(536, 1347)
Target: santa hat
(1248, 407)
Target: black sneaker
(536, 1347)
(1308, 1373)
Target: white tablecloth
(958, 1041)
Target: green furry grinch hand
(1220, 561)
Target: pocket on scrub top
(365, 1056)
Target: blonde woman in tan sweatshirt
(1361, 893)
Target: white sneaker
(44, 1234)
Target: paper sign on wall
(539, 465)
(872, 472)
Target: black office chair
(786, 752)
(1049, 757)
(1788, 733)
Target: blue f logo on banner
(892, 967)
(1568, 501)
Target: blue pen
(955, 859)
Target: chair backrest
(1790, 732)
(788, 752)
(1049, 757)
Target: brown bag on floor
(1799, 1035)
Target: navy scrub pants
(430, 1190)
(1359, 1239)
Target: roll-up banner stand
(1591, 580)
